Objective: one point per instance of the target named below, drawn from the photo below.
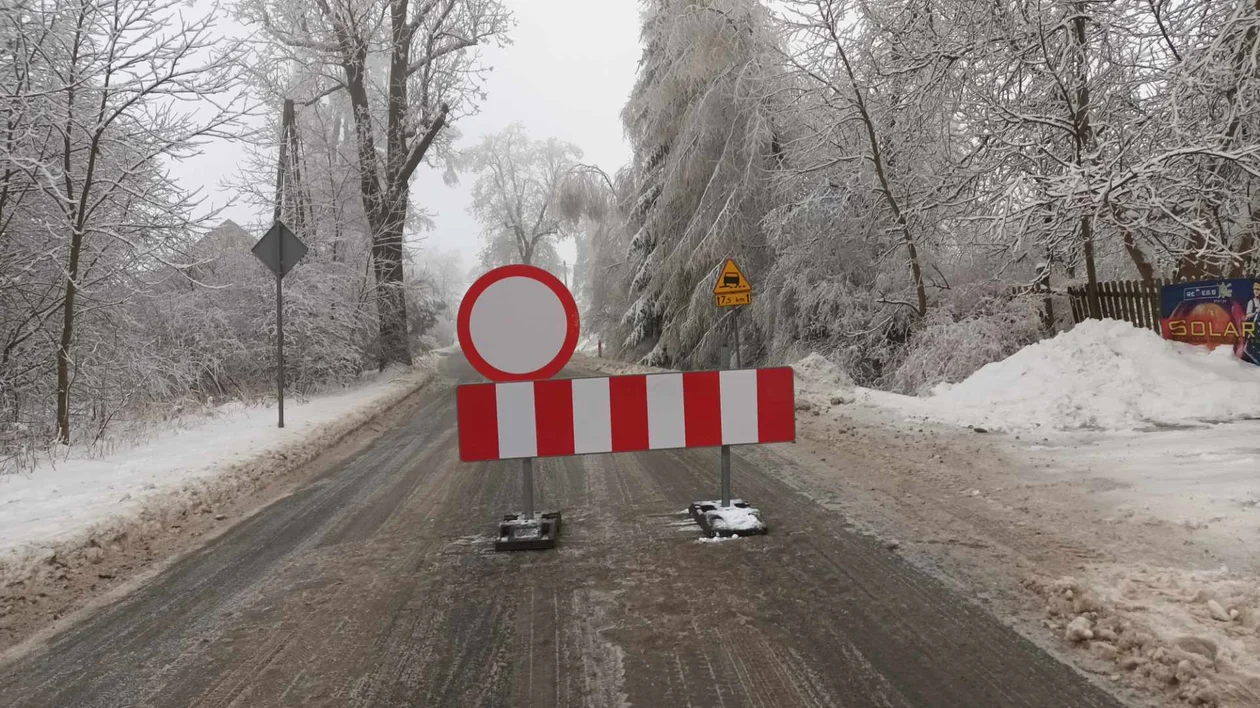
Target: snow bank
(65, 500)
(818, 369)
(820, 383)
(1102, 374)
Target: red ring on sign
(463, 325)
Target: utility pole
(280, 249)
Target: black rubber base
(517, 534)
(703, 513)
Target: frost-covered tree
(590, 201)
(96, 98)
(893, 172)
(516, 195)
(1118, 129)
(407, 68)
(445, 277)
(1194, 200)
(700, 123)
(861, 79)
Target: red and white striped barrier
(557, 417)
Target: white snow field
(63, 501)
(1141, 453)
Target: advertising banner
(1214, 313)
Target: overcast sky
(565, 75)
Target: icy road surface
(374, 585)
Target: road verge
(42, 583)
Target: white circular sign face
(518, 325)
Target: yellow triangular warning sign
(731, 280)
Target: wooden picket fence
(1134, 301)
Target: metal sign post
(726, 475)
(731, 290)
(280, 333)
(527, 487)
(279, 250)
(725, 464)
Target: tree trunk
(885, 187)
(1083, 135)
(1239, 268)
(1144, 268)
(387, 257)
(1091, 273)
(1189, 265)
(386, 211)
(67, 337)
(386, 192)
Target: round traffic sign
(518, 323)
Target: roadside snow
(1135, 530)
(820, 382)
(1101, 375)
(1168, 618)
(59, 501)
(820, 369)
(1203, 479)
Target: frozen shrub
(976, 325)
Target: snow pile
(818, 369)
(821, 383)
(1103, 374)
(1192, 633)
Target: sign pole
(726, 475)
(725, 465)
(280, 336)
(279, 250)
(527, 486)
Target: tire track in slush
(896, 602)
(282, 602)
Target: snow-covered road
(374, 583)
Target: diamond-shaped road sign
(279, 249)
